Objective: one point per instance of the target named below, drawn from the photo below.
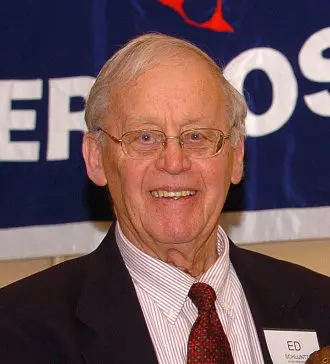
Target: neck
(194, 263)
(194, 257)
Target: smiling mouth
(173, 194)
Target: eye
(194, 136)
(147, 137)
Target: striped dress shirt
(162, 291)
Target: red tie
(208, 342)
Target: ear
(92, 154)
(238, 162)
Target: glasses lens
(202, 143)
(143, 143)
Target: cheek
(130, 178)
(112, 167)
(216, 178)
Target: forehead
(178, 90)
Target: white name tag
(291, 346)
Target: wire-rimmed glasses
(148, 144)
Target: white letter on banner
(317, 68)
(282, 78)
(18, 119)
(61, 120)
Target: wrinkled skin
(176, 95)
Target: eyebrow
(199, 120)
(154, 122)
(140, 121)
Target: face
(172, 97)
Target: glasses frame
(179, 137)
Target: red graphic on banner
(216, 23)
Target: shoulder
(62, 280)
(266, 267)
(60, 283)
(41, 314)
(37, 314)
(283, 281)
(284, 294)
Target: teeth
(172, 194)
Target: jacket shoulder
(278, 268)
(52, 284)
(284, 294)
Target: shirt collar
(167, 285)
(218, 275)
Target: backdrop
(275, 52)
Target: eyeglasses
(148, 144)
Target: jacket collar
(109, 306)
(272, 300)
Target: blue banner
(277, 53)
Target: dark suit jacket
(86, 310)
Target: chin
(174, 234)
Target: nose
(173, 159)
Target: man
(166, 135)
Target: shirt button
(170, 313)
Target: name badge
(291, 346)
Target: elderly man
(166, 135)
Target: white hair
(138, 56)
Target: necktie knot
(203, 296)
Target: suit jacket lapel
(109, 307)
(272, 301)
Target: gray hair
(138, 56)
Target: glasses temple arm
(116, 140)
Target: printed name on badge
(291, 346)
